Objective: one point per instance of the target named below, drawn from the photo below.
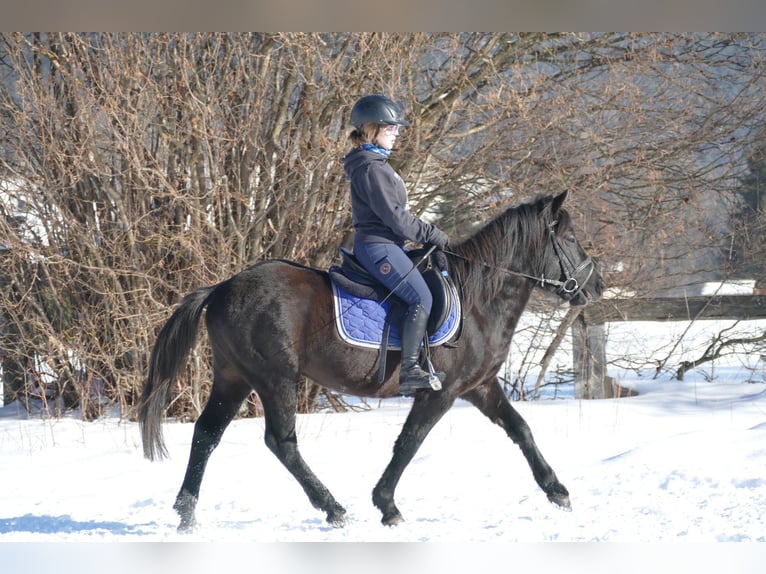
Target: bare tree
(139, 166)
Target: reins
(542, 279)
(570, 285)
(403, 279)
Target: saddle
(368, 315)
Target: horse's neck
(513, 298)
(505, 309)
(491, 324)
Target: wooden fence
(589, 340)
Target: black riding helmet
(378, 109)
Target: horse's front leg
(426, 411)
(490, 400)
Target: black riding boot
(411, 376)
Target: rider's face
(387, 137)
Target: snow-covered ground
(681, 462)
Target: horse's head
(567, 269)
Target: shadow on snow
(63, 524)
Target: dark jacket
(379, 203)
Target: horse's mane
(512, 240)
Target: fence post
(589, 359)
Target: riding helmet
(378, 109)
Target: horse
(272, 323)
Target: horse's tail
(175, 341)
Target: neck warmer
(376, 149)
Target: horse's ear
(559, 200)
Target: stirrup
(420, 380)
(413, 380)
(409, 389)
(435, 378)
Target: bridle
(569, 269)
(570, 286)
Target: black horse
(273, 322)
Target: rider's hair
(366, 134)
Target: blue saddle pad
(360, 321)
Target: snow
(682, 462)
(730, 287)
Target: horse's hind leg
(281, 438)
(427, 410)
(223, 404)
(490, 400)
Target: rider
(383, 222)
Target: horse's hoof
(561, 501)
(392, 519)
(337, 519)
(184, 507)
(559, 495)
(187, 526)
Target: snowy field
(681, 463)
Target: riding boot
(411, 376)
